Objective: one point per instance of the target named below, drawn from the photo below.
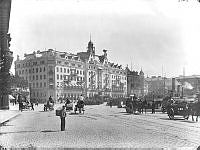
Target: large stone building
(62, 74)
(5, 53)
(136, 83)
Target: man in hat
(62, 118)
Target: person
(36, 104)
(145, 105)
(110, 103)
(62, 118)
(50, 99)
(153, 107)
(80, 103)
(20, 102)
(32, 108)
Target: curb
(9, 119)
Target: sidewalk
(6, 115)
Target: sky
(158, 36)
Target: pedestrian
(145, 105)
(32, 107)
(36, 104)
(110, 103)
(62, 118)
(20, 102)
(153, 107)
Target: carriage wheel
(186, 117)
(171, 113)
(163, 109)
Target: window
(40, 84)
(64, 70)
(40, 77)
(33, 85)
(60, 77)
(26, 70)
(44, 76)
(40, 69)
(67, 70)
(57, 76)
(37, 85)
(36, 70)
(44, 69)
(57, 69)
(33, 70)
(36, 77)
(42, 62)
(83, 72)
(60, 69)
(33, 77)
(22, 71)
(29, 70)
(45, 84)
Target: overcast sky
(154, 35)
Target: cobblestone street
(100, 127)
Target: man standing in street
(153, 107)
(20, 102)
(62, 118)
(110, 102)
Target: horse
(194, 108)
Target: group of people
(140, 105)
(24, 103)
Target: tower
(91, 48)
(141, 77)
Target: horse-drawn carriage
(79, 106)
(178, 107)
(48, 106)
(134, 105)
(25, 105)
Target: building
(62, 74)
(5, 53)
(135, 83)
(162, 86)
(190, 84)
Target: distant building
(62, 74)
(135, 83)
(190, 84)
(162, 86)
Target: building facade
(61, 74)
(5, 53)
(162, 86)
(136, 83)
(190, 84)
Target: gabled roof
(84, 56)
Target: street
(100, 127)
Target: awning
(11, 97)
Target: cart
(177, 108)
